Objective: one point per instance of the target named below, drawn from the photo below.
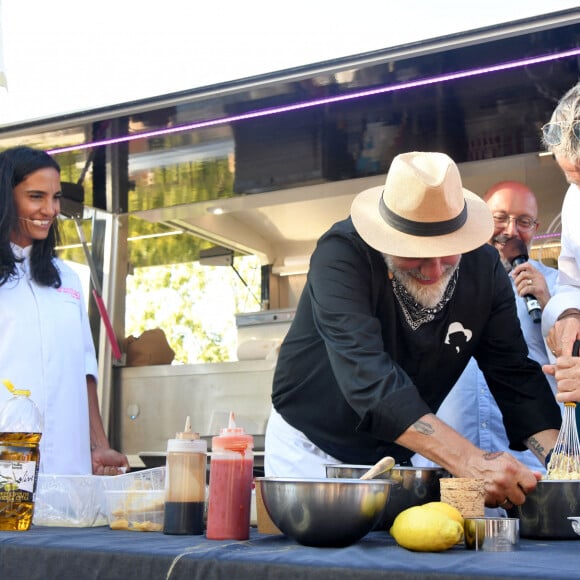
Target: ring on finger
(504, 503)
(529, 281)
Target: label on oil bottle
(17, 480)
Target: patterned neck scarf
(415, 314)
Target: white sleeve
(567, 292)
(566, 297)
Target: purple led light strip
(325, 101)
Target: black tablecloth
(77, 553)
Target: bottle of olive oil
(20, 432)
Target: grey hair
(566, 112)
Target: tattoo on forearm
(490, 455)
(423, 427)
(534, 445)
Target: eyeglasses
(553, 132)
(524, 223)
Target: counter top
(178, 370)
(70, 553)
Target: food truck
(262, 166)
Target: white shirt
(46, 346)
(567, 293)
(470, 407)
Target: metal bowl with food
(544, 514)
(324, 512)
(414, 486)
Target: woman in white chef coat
(45, 340)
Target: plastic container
(79, 500)
(230, 484)
(135, 501)
(74, 501)
(138, 510)
(20, 433)
(185, 485)
(153, 478)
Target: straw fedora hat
(422, 211)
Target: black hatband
(414, 228)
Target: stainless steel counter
(151, 403)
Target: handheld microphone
(516, 253)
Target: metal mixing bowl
(415, 486)
(324, 512)
(545, 512)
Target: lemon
(424, 529)
(447, 509)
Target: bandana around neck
(414, 313)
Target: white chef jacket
(46, 346)
(470, 407)
(567, 294)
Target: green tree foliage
(181, 183)
(195, 305)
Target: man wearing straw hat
(399, 296)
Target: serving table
(47, 553)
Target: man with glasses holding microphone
(515, 215)
(561, 317)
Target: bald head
(504, 191)
(515, 212)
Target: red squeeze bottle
(230, 484)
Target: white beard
(427, 296)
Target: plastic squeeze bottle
(20, 432)
(230, 484)
(185, 483)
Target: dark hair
(15, 165)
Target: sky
(67, 56)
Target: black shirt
(352, 375)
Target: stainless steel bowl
(415, 486)
(324, 512)
(545, 512)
